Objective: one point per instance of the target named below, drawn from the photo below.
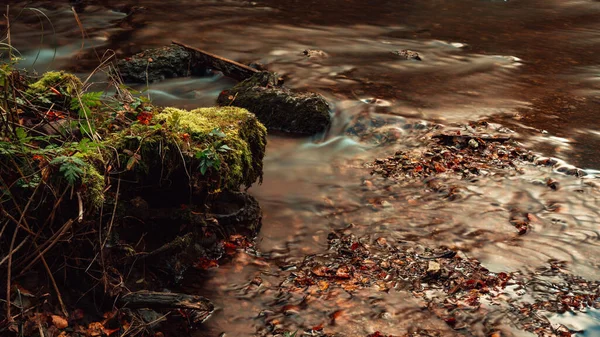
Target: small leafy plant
(71, 168)
(210, 157)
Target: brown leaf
(95, 329)
(343, 272)
(59, 322)
(320, 271)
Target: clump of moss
(232, 137)
(57, 79)
(54, 87)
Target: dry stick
(228, 67)
(112, 220)
(9, 116)
(10, 217)
(80, 205)
(3, 228)
(80, 27)
(12, 245)
(22, 219)
(53, 239)
(53, 242)
(8, 274)
(60, 300)
(14, 250)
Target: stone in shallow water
(277, 107)
(157, 64)
(407, 54)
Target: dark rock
(157, 64)
(279, 108)
(237, 212)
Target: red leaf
(144, 117)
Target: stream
(530, 66)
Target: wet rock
(237, 212)
(407, 54)
(157, 64)
(375, 128)
(433, 269)
(315, 53)
(553, 184)
(277, 107)
(473, 143)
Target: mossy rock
(277, 107)
(157, 64)
(56, 88)
(171, 149)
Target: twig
(80, 204)
(112, 219)
(8, 273)
(3, 228)
(80, 27)
(14, 250)
(12, 244)
(53, 242)
(228, 67)
(60, 300)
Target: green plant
(210, 157)
(83, 106)
(72, 168)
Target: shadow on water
(529, 65)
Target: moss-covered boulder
(157, 64)
(209, 149)
(279, 108)
(55, 89)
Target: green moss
(94, 184)
(173, 145)
(56, 79)
(54, 89)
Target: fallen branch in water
(228, 67)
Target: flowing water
(529, 65)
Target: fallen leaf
(320, 271)
(95, 329)
(59, 322)
(323, 285)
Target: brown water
(530, 65)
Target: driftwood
(202, 308)
(229, 68)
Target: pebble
(407, 54)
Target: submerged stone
(279, 108)
(407, 54)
